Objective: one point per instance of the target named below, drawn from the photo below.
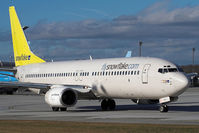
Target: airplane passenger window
(118, 72)
(126, 73)
(138, 72)
(109, 73)
(123, 73)
(106, 73)
(131, 72)
(115, 73)
(134, 72)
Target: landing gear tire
(104, 105)
(108, 104)
(111, 104)
(164, 108)
(63, 109)
(55, 108)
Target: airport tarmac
(33, 107)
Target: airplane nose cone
(182, 83)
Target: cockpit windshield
(169, 69)
(166, 70)
(173, 70)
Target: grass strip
(31, 126)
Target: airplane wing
(44, 87)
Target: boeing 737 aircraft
(137, 78)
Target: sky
(76, 29)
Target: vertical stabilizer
(22, 53)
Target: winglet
(22, 53)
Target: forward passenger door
(145, 73)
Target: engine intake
(69, 98)
(61, 97)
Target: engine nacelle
(145, 101)
(61, 97)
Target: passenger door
(145, 73)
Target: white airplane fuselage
(127, 78)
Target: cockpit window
(173, 70)
(166, 70)
(160, 70)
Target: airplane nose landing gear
(164, 108)
(108, 104)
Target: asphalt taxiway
(33, 107)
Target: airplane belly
(117, 88)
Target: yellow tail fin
(22, 52)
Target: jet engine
(61, 97)
(145, 101)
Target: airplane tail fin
(22, 53)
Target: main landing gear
(164, 108)
(108, 104)
(59, 108)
